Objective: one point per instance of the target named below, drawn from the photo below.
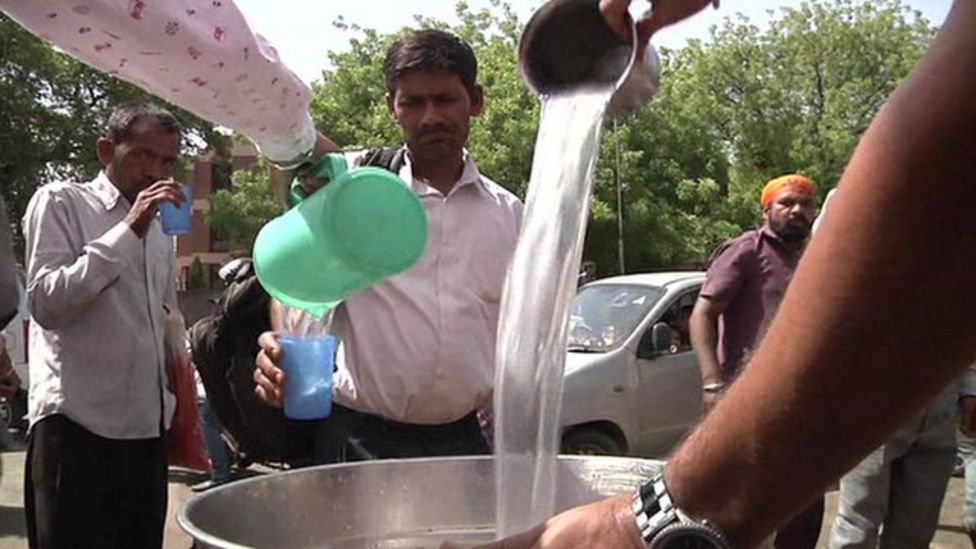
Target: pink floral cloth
(199, 55)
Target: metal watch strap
(655, 512)
(653, 508)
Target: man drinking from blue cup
(100, 273)
(416, 355)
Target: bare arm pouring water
(862, 317)
(877, 300)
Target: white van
(632, 384)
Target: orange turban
(792, 181)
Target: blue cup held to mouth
(178, 220)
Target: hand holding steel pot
(577, 45)
(568, 47)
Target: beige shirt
(420, 347)
(95, 292)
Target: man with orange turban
(791, 199)
(747, 278)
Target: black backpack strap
(389, 158)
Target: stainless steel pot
(413, 503)
(566, 47)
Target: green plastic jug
(364, 226)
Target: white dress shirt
(420, 347)
(201, 56)
(96, 292)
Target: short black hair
(124, 118)
(430, 50)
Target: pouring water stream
(539, 290)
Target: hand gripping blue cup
(177, 221)
(308, 362)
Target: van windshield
(604, 315)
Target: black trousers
(84, 491)
(348, 435)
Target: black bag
(224, 347)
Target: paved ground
(12, 536)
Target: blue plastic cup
(175, 220)
(308, 362)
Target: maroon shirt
(750, 273)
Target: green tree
(749, 105)
(798, 96)
(196, 279)
(733, 112)
(238, 214)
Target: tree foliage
(734, 111)
(196, 279)
(748, 104)
(239, 214)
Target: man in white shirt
(100, 272)
(416, 358)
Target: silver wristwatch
(664, 526)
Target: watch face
(686, 537)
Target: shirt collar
(768, 232)
(469, 176)
(106, 191)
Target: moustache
(799, 221)
(436, 129)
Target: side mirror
(661, 336)
(655, 341)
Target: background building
(202, 245)
(201, 253)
